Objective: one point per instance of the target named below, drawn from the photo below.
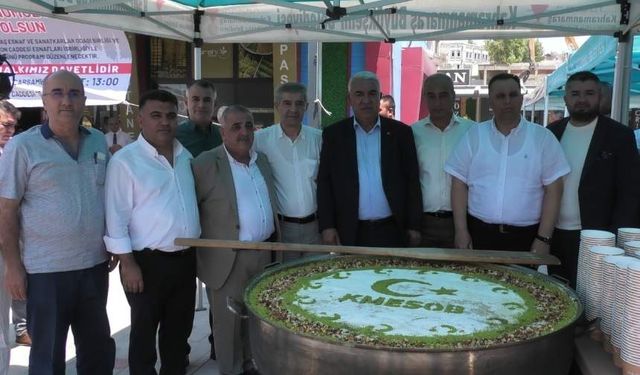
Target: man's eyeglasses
(59, 95)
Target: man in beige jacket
(234, 188)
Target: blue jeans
(78, 299)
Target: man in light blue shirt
(52, 202)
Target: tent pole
(197, 74)
(396, 78)
(197, 62)
(545, 116)
(314, 115)
(621, 78)
(533, 112)
(197, 44)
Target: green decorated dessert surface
(409, 303)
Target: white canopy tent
(226, 21)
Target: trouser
(166, 306)
(565, 245)
(307, 233)
(485, 236)
(78, 299)
(380, 233)
(5, 302)
(232, 335)
(437, 231)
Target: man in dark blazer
(236, 198)
(601, 192)
(368, 183)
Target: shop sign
(459, 77)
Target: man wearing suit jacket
(368, 183)
(601, 192)
(234, 188)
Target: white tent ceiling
(335, 20)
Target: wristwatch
(544, 239)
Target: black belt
(440, 214)
(179, 253)
(503, 228)
(376, 221)
(298, 220)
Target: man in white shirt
(436, 135)
(601, 192)
(293, 151)
(234, 188)
(507, 178)
(150, 200)
(115, 137)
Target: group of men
(367, 180)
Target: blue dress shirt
(373, 203)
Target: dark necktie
(115, 139)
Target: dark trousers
(437, 231)
(566, 245)
(380, 233)
(485, 236)
(165, 306)
(78, 299)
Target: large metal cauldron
(279, 351)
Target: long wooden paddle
(431, 253)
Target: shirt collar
(252, 159)
(47, 133)
(454, 121)
(193, 127)
(514, 131)
(357, 125)
(592, 123)
(280, 133)
(148, 147)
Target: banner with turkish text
(36, 46)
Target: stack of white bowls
(630, 350)
(626, 235)
(631, 247)
(595, 266)
(588, 239)
(619, 305)
(608, 293)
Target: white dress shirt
(122, 138)
(252, 198)
(373, 203)
(149, 202)
(575, 142)
(434, 147)
(294, 165)
(506, 175)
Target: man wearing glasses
(52, 202)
